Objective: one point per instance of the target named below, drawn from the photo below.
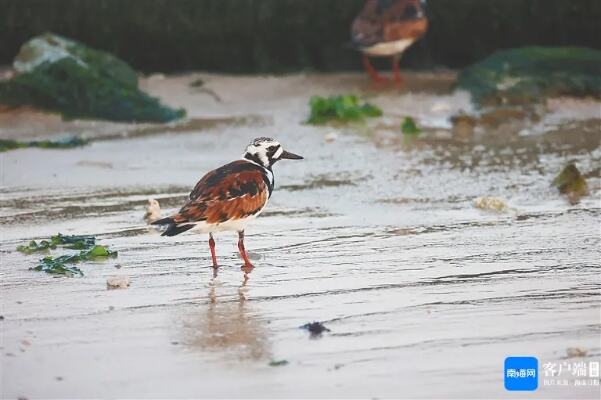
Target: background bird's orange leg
(212, 246)
(371, 70)
(396, 70)
(247, 264)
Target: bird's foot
(247, 268)
(398, 82)
(379, 83)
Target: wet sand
(374, 234)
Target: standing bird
(386, 28)
(229, 197)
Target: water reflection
(229, 325)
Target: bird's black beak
(290, 156)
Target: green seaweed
(571, 183)
(409, 127)
(34, 247)
(344, 108)
(67, 241)
(530, 74)
(279, 363)
(97, 251)
(58, 265)
(74, 241)
(89, 250)
(66, 143)
(6, 145)
(86, 84)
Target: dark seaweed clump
(530, 74)
(315, 328)
(80, 82)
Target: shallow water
(373, 234)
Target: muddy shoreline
(374, 234)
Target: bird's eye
(271, 148)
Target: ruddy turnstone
(227, 198)
(386, 28)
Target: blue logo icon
(521, 373)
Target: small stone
(499, 116)
(442, 134)
(463, 126)
(197, 83)
(575, 352)
(330, 137)
(441, 107)
(117, 282)
(157, 77)
(490, 204)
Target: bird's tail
(172, 227)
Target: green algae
(66, 143)
(74, 242)
(34, 247)
(531, 74)
(571, 183)
(60, 265)
(409, 127)
(344, 108)
(279, 363)
(61, 75)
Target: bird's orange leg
(396, 70)
(377, 78)
(247, 267)
(212, 246)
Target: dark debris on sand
(315, 328)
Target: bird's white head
(266, 152)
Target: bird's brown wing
(234, 191)
(388, 20)
(368, 27)
(413, 29)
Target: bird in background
(229, 197)
(386, 28)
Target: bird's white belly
(230, 225)
(388, 48)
